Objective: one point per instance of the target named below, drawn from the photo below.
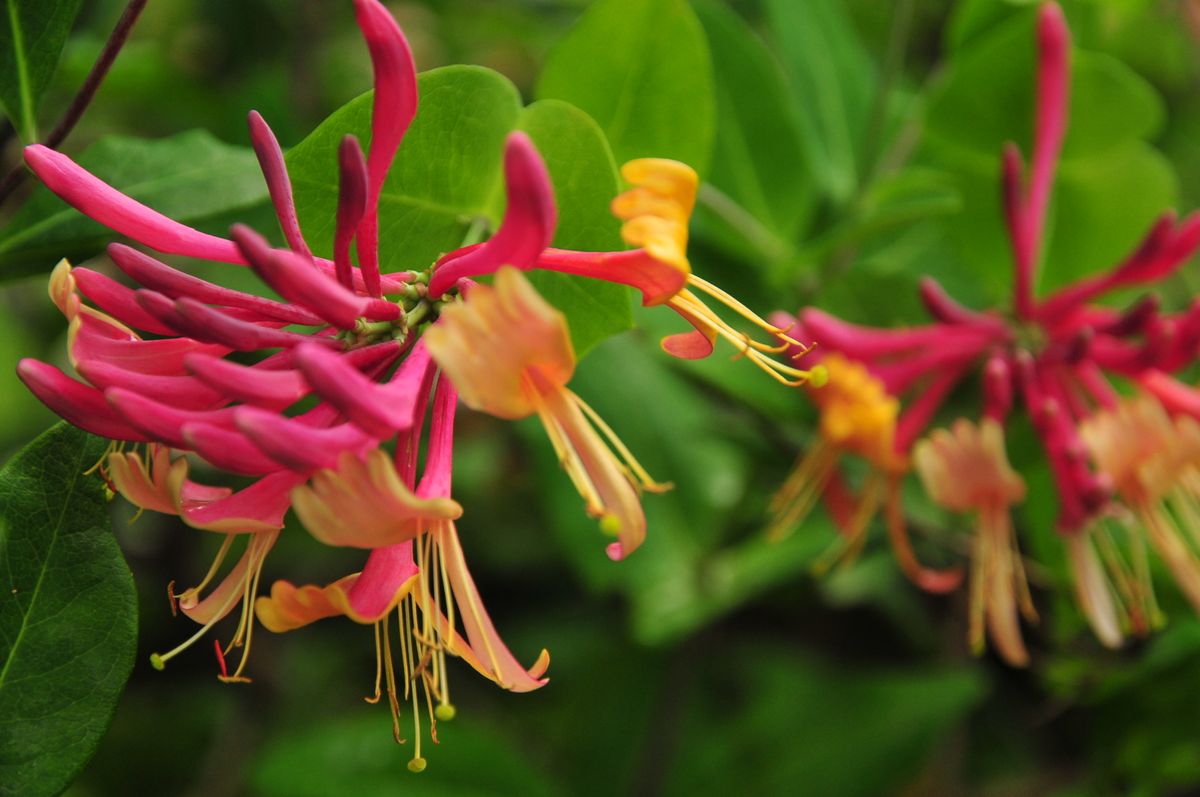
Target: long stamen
(645, 479)
(378, 664)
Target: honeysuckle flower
(965, 469)
(510, 355)
(305, 394)
(1057, 358)
(655, 211)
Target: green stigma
(818, 376)
(445, 712)
(416, 765)
(157, 662)
(611, 525)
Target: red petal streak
(528, 226)
(270, 158)
(81, 405)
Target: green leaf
(357, 756)
(585, 181)
(444, 177)
(833, 83)
(32, 35)
(1109, 187)
(759, 159)
(641, 69)
(448, 178)
(190, 177)
(68, 615)
(845, 730)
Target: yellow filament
(850, 544)
(800, 491)
(745, 312)
(216, 564)
(642, 477)
(378, 665)
(390, 675)
(159, 660)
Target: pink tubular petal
(223, 327)
(435, 481)
(268, 388)
(997, 389)
(384, 580)
(378, 410)
(120, 213)
(227, 449)
(79, 404)
(279, 185)
(297, 445)
(394, 107)
(184, 392)
(866, 343)
(352, 202)
(657, 281)
(118, 301)
(917, 415)
(159, 277)
(489, 649)
(528, 226)
(1054, 79)
(159, 421)
(294, 278)
(1177, 397)
(201, 322)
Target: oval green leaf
(32, 35)
(641, 69)
(68, 613)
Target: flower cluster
(322, 397)
(1125, 467)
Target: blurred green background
(851, 147)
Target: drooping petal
(487, 343)
(491, 657)
(251, 510)
(365, 504)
